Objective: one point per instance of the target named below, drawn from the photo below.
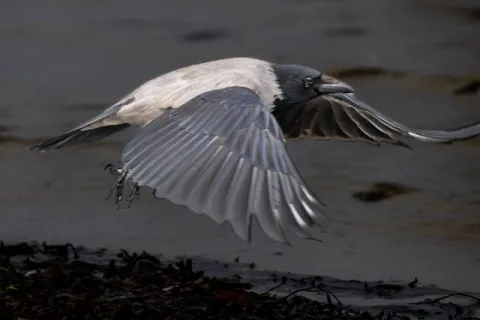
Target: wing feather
(223, 154)
(342, 116)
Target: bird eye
(308, 81)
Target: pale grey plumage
(172, 90)
(223, 154)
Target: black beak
(331, 85)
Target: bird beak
(332, 85)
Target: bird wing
(343, 116)
(223, 154)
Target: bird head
(301, 83)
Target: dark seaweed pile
(55, 282)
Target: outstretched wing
(343, 116)
(223, 154)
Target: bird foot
(117, 189)
(113, 170)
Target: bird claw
(117, 189)
(134, 195)
(113, 170)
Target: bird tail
(78, 136)
(93, 130)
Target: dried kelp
(55, 282)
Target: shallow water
(61, 63)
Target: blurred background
(418, 61)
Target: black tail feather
(78, 136)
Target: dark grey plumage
(342, 116)
(90, 131)
(78, 136)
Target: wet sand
(62, 63)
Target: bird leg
(134, 194)
(112, 169)
(119, 186)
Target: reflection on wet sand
(382, 190)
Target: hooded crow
(212, 138)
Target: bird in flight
(212, 138)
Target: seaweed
(56, 282)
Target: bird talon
(107, 166)
(134, 194)
(119, 185)
(112, 169)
